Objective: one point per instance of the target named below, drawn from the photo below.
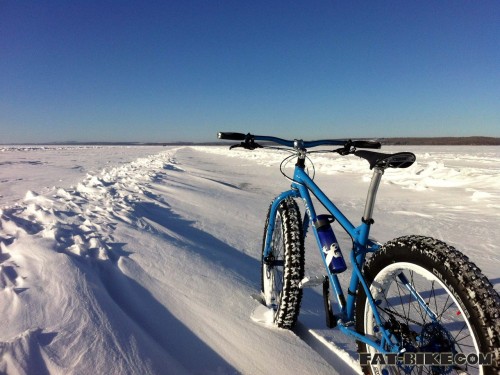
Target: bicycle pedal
(311, 281)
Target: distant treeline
(414, 141)
(451, 141)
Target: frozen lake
(134, 259)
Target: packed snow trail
(148, 268)
(40, 168)
(144, 268)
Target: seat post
(372, 194)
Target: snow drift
(145, 265)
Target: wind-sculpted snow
(57, 252)
(105, 277)
(468, 167)
(146, 266)
(45, 168)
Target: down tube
(334, 281)
(272, 215)
(307, 184)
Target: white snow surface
(142, 260)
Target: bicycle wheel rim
(453, 333)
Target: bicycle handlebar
(307, 144)
(231, 136)
(367, 144)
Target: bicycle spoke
(400, 297)
(405, 316)
(446, 308)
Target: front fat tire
(288, 247)
(469, 288)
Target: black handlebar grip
(367, 144)
(231, 136)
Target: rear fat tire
(283, 280)
(467, 286)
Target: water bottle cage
(321, 222)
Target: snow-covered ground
(140, 260)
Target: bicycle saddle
(380, 160)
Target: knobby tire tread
(475, 291)
(293, 272)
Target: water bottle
(329, 244)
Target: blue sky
(183, 70)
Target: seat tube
(372, 195)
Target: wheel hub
(436, 339)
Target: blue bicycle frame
(382, 326)
(301, 186)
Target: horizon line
(439, 140)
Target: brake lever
(236, 145)
(347, 149)
(248, 145)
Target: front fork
(272, 215)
